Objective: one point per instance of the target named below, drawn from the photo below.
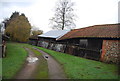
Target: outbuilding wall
(111, 51)
(97, 49)
(33, 42)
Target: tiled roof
(96, 31)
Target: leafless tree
(64, 16)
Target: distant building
(98, 42)
(33, 40)
(49, 40)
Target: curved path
(29, 67)
(55, 69)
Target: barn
(33, 40)
(49, 40)
(98, 42)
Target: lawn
(80, 68)
(13, 61)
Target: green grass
(33, 50)
(42, 70)
(0, 67)
(13, 61)
(80, 68)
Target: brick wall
(111, 51)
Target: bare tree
(64, 16)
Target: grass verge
(34, 51)
(13, 61)
(0, 68)
(80, 68)
(42, 69)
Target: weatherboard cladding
(54, 34)
(96, 31)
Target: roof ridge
(97, 26)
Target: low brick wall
(111, 51)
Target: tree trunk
(63, 19)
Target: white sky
(89, 12)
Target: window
(83, 43)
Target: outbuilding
(49, 40)
(33, 40)
(98, 42)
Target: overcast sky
(89, 12)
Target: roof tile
(96, 31)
